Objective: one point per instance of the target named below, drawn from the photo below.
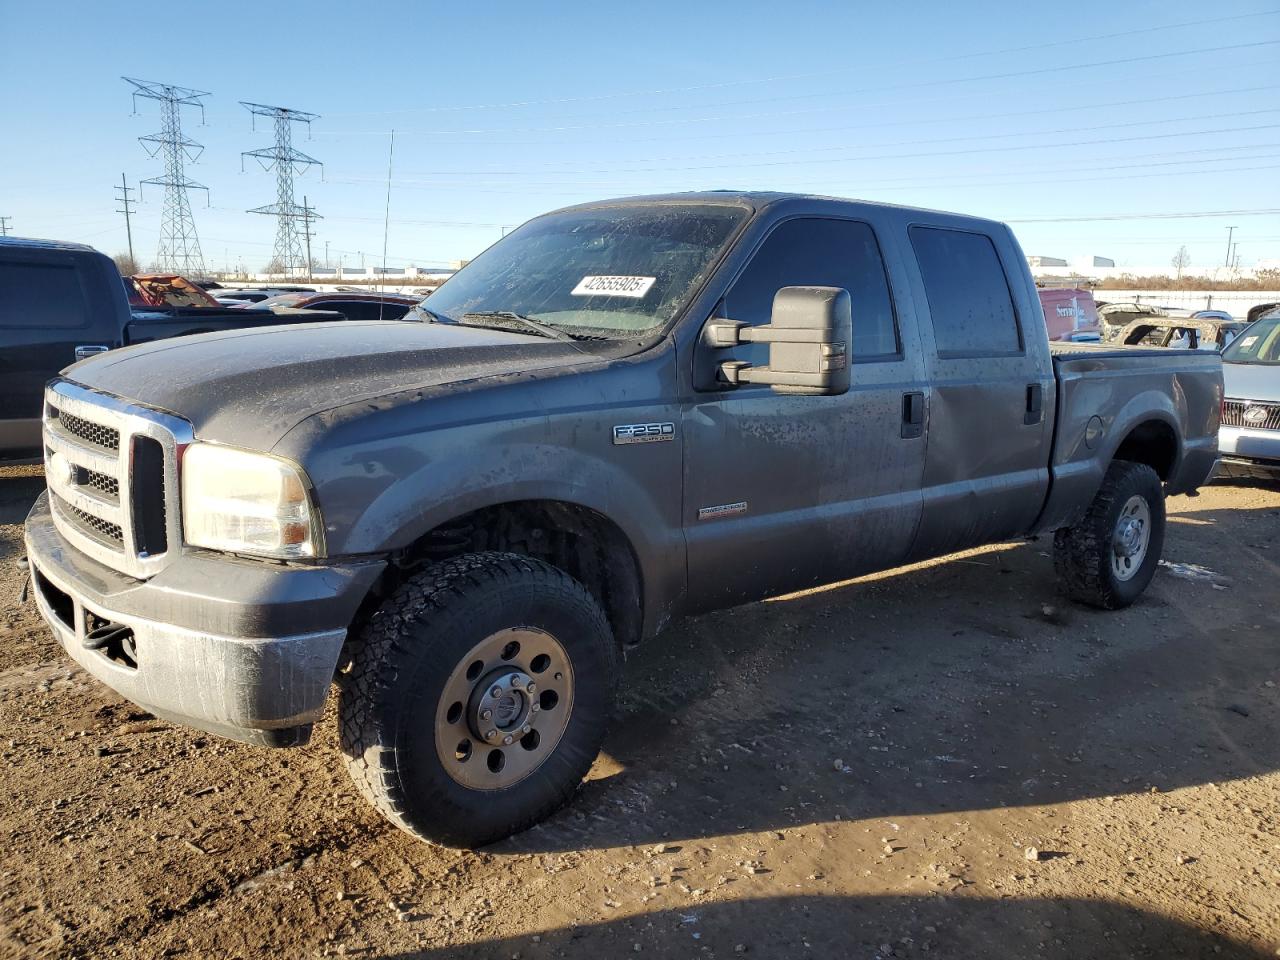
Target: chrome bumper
(246, 678)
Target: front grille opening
(109, 486)
(113, 640)
(147, 494)
(59, 603)
(104, 529)
(106, 437)
(1234, 415)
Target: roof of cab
(758, 200)
(46, 244)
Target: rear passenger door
(784, 492)
(986, 464)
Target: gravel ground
(857, 771)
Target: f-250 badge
(643, 432)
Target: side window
(45, 295)
(968, 293)
(827, 253)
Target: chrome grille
(109, 486)
(103, 528)
(105, 474)
(106, 437)
(1241, 413)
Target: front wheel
(477, 698)
(1107, 559)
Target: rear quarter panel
(1104, 393)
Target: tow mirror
(808, 335)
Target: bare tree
(1181, 260)
(126, 264)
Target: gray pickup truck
(621, 413)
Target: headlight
(246, 502)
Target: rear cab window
(969, 298)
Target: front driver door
(786, 492)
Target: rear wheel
(478, 698)
(1108, 558)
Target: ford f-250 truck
(621, 413)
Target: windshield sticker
(634, 287)
(1248, 342)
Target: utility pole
(4, 226)
(287, 163)
(179, 249)
(1235, 257)
(124, 201)
(306, 232)
(1230, 231)
(326, 254)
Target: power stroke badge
(643, 432)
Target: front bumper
(1248, 453)
(241, 648)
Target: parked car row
(63, 302)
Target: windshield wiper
(541, 329)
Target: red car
(165, 290)
(1070, 313)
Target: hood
(249, 387)
(1251, 381)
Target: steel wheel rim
(504, 708)
(1131, 538)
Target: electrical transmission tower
(179, 249)
(287, 163)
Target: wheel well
(1153, 443)
(585, 544)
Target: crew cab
(621, 413)
(62, 302)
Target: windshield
(1259, 343)
(610, 271)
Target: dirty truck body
(474, 517)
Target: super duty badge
(643, 432)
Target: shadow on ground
(822, 927)
(970, 684)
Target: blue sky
(1023, 112)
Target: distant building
(1046, 261)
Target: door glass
(41, 295)
(825, 253)
(969, 299)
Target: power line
(884, 156)
(811, 75)
(1194, 215)
(179, 249)
(287, 163)
(1126, 124)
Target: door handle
(912, 415)
(90, 350)
(1035, 404)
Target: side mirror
(808, 335)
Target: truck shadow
(778, 928)
(969, 684)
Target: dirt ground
(855, 772)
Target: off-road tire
(1082, 553)
(391, 689)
